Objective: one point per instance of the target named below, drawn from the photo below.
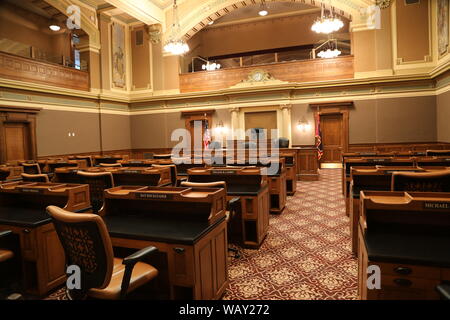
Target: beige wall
(116, 133)
(443, 117)
(257, 35)
(412, 31)
(53, 128)
(140, 60)
(23, 26)
(382, 121)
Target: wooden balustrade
(295, 71)
(29, 70)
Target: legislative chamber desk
(406, 234)
(368, 178)
(276, 179)
(108, 159)
(251, 223)
(140, 176)
(188, 227)
(22, 210)
(10, 172)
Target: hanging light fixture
(329, 50)
(211, 66)
(327, 23)
(175, 45)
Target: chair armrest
(139, 255)
(5, 233)
(129, 263)
(444, 290)
(233, 204)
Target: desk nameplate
(225, 172)
(436, 205)
(156, 196)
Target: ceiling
(274, 8)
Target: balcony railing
(14, 67)
(294, 71)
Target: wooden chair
(31, 168)
(4, 173)
(173, 172)
(98, 182)
(35, 177)
(9, 266)
(87, 244)
(421, 181)
(89, 161)
(437, 153)
(233, 205)
(110, 165)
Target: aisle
(306, 254)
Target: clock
(257, 76)
(383, 4)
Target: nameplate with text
(130, 171)
(437, 205)
(29, 190)
(160, 196)
(229, 172)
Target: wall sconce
(303, 125)
(220, 128)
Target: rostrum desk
(188, 227)
(138, 176)
(22, 210)
(406, 234)
(252, 222)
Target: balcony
(310, 70)
(25, 63)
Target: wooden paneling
(308, 165)
(28, 70)
(398, 147)
(16, 141)
(297, 71)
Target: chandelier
(327, 54)
(211, 66)
(327, 23)
(175, 45)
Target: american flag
(319, 144)
(206, 136)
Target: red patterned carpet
(306, 254)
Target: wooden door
(17, 138)
(332, 137)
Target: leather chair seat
(142, 273)
(5, 255)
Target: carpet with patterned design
(306, 254)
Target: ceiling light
(263, 10)
(211, 66)
(175, 45)
(54, 27)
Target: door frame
(327, 108)
(23, 115)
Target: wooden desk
(188, 227)
(367, 162)
(291, 171)
(140, 176)
(107, 159)
(276, 180)
(365, 179)
(433, 161)
(251, 224)
(408, 236)
(22, 210)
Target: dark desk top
(157, 229)
(431, 249)
(23, 217)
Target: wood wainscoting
(29, 70)
(399, 147)
(295, 71)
